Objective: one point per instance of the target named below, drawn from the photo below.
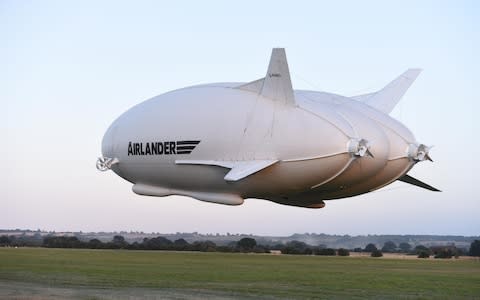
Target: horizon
(233, 234)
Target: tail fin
(277, 84)
(386, 99)
(409, 179)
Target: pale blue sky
(69, 68)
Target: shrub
(423, 254)
(376, 253)
(421, 248)
(326, 251)
(370, 248)
(389, 247)
(296, 247)
(343, 252)
(475, 248)
(444, 253)
(246, 244)
(405, 247)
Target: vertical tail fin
(277, 84)
(386, 99)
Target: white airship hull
(226, 142)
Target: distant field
(111, 274)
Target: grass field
(58, 273)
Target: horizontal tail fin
(386, 99)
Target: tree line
(446, 251)
(243, 245)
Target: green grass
(243, 274)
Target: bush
(246, 244)
(444, 253)
(62, 242)
(296, 247)
(224, 249)
(389, 247)
(405, 247)
(343, 252)
(420, 248)
(204, 246)
(475, 248)
(423, 254)
(370, 248)
(376, 253)
(260, 249)
(326, 251)
(4, 240)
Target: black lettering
(130, 150)
(160, 148)
(154, 148)
(137, 148)
(166, 146)
(147, 149)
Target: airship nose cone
(108, 142)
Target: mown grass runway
(239, 275)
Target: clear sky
(69, 68)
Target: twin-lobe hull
(226, 142)
(312, 149)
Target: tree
(421, 248)
(118, 239)
(325, 251)
(296, 247)
(376, 253)
(181, 245)
(444, 253)
(4, 240)
(475, 248)
(95, 244)
(62, 242)
(157, 243)
(246, 244)
(181, 242)
(405, 247)
(343, 252)
(204, 246)
(370, 248)
(134, 246)
(260, 249)
(224, 249)
(423, 254)
(119, 242)
(389, 247)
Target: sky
(69, 68)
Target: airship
(227, 142)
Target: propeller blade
(369, 153)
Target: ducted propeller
(359, 148)
(419, 153)
(105, 163)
